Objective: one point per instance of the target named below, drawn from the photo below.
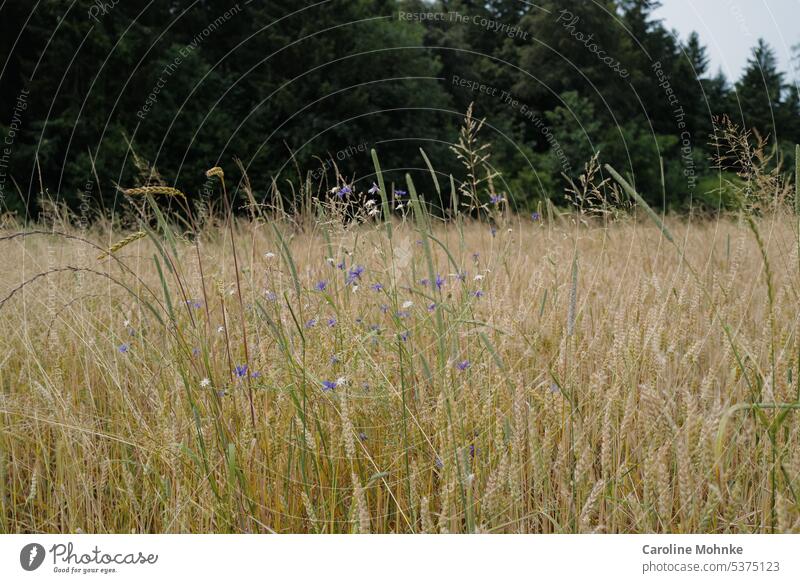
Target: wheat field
(532, 375)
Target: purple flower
(340, 265)
(194, 303)
(431, 307)
(438, 462)
(311, 323)
(374, 189)
(403, 314)
(461, 275)
(399, 192)
(195, 352)
(535, 216)
(123, 348)
(478, 293)
(439, 281)
(425, 281)
(404, 336)
(334, 359)
(362, 436)
(496, 199)
(343, 191)
(463, 365)
(493, 231)
(354, 274)
(331, 322)
(471, 450)
(255, 374)
(328, 385)
(240, 370)
(271, 296)
(321, 285)
(377, 287)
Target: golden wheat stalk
(145, 190)
(121, 243)
(215, 171)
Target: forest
(295, 92)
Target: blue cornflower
(331, 322)
(340, 265)
(403, 313)
(425, 281)
(463, 365)
(374, 189)
(240, 370)
(377, 287)
(431, 307)
(404, 336)
(334, 359)
(384, 308)
(321, 285)
(399, 192)
(439, 281)
(471, 450)
(311, 323)
(194, 303)
(478, 293)
(354, 274)
(123, 348)
(362, 436)
(496, 199)
(255, 374)
(535, 216)
(271, 296)
(195, 351)
(343, 191)
(438, 462)
(328, 385)
(461, 275)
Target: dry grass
(598, 392)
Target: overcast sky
(730, 28)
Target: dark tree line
(91, 88)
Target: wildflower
(341, 192)
(123, 348)
(311, 323)
(374, 189)
(328, 385)
(425, 281)
(399, 192)
(220, 329)
(377, 287)
(354, 274)
(535, 216)
(493, 231)
(329, 260)
(195, 351)
(331, 322)
(321, 285)
(255, 374)
(460, 276)
(194, 303)
(334, 359)
(471, 450)
(341, 381)
(340, 265)
(269, 255)
(407, 304)
(475, 256)
(402, 314)
(438, 462)
(240, 370)
(439, 281)
(404, 336)
(271, 296)
(478, 293)
(496, 199)
(431, 307)
(126, 323)
(478, 277)
(463, 365)
(362, 436)
(206, 382)
(384, 308)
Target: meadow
(333, 372)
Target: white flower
(220, 329)
(205, 383)
(478, 277)
(126, 323)
(407, 304)
(341, 381)
(370, 203)
(355, 288)
(329, 260)
(269, 255)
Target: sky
(730, 28)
